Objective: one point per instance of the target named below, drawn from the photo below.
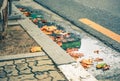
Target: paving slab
(3, 63)
(3, 79)
(29, 69)
(75, 72)
(11, 70)
(2, 73)
(24, 77)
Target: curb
(20, 56)
(62, 59)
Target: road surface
(103, 12)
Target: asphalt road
(103, 12)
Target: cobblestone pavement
(30, 69)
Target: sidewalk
(27, 67)
(53, 53)
(39, 68)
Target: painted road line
(101, 29)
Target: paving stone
(56, 76)
(3, 63)
(19, 61)
(23, 68)
(44, 62)
(32, 59)
(33, 63)
(2, 73)
(40, 63)
(27, 77)
(3, 79)
(31, 80)
(45, 79)
(42, 68)
(37, 58)
(11, 70)
(42, 75)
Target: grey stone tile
(19, 61)
(2, 73)
(3, 79)
(42, 68)
(46, 79)
(23, 68)
(25, 77)
(56, 76)
(42, 75)
(44, 62)
(3, 63)
(45, 57)
(11, 70)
